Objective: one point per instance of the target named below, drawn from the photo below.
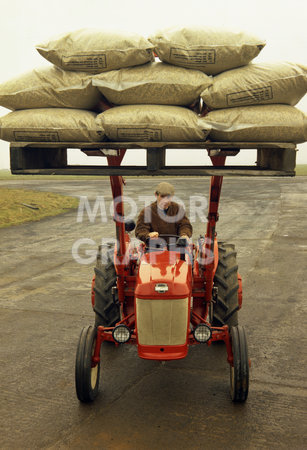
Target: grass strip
(19, 206)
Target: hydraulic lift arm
(213, 216)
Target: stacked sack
(247, 102)
(256, 103)
(155, 101)
(151, 103)
(155, 97)
(59, 103)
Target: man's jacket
(170, 221)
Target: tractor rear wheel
(106, 306)
(239, 371)
(87, 373)
(225, 310)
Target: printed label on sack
(88, 61)
(195, 57)
(139, 134)
(36, 136)
(250, 96)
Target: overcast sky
(25, 23)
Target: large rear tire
(225, 310)
(106, 306)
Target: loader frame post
(117, 183)
(213, 216)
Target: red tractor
(164, 296)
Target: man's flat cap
(165, 188)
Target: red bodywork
(164, 267)
(138, 273)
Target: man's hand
(185, 236)
(153, 234)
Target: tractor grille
(162, 322)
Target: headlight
(121, 334)
(202, 333)
(161, 288)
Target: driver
(163, 216)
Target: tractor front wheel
(239, 371)
(86, 372)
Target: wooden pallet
(273, 159)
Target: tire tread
(225, 310)
(106, 310)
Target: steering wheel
(159, 243)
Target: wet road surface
(45, 302)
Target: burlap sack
(49, 87)
(153, 83)
(50, 125)
(152, 123)
(96, 51)
(254, 84)
(209, 50)
(263, 123)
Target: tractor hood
(163, 275)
